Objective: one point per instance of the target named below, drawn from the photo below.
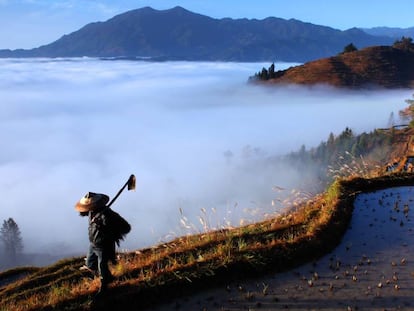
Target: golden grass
(184, 259)
(304, 232)
(382, 66)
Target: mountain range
(178, 34)
(392, 32)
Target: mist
(195, 135)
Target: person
(102, 241)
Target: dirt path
(372, 269)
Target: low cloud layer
(194, 134)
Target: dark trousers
(97, 260)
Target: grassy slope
(383, 66)
(194, 262)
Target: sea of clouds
(195, 134)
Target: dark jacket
(100, 228)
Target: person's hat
(91, 201)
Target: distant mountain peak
(145, 9)
(179, 9)
(151, 10)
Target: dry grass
(191, 262)
(304, 232)
(379, 66)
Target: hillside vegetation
(371, 67)
(149, 276)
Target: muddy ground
(372, 268)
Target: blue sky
(31, 23)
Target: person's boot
(88, 271)
(102, 289)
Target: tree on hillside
(272, 71)
(406, 43)
(349, 48)
(342, 154)
(11, 239)
(407, 114)
(266, 74)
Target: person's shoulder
(109, 214)
(108, 211)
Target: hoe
(131, 186)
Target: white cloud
(72, 126)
